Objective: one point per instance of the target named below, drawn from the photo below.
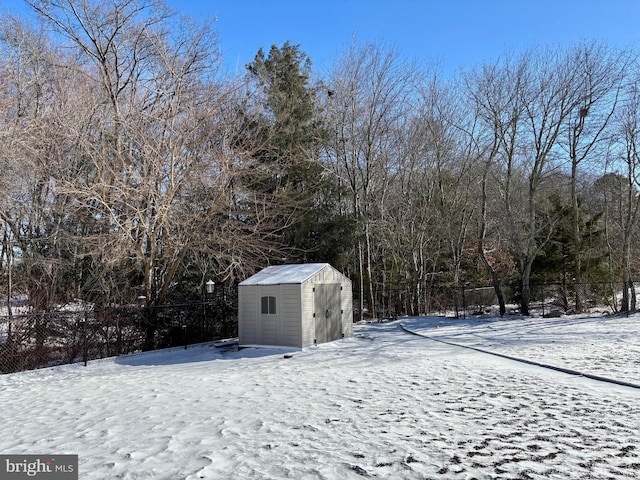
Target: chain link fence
(549, 299)
(474, 300)
(32, 341)
(29, 341)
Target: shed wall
(294, 323)
(290, 333)
(347, 308)
(327, 275)
(282, 328)
(248, 315)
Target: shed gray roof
(278, 274)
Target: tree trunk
(525, 287)
(628, 296)
(577, 242)
(361, 272)
(370, 291)
(495, 282)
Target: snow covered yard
(384, 404)
(598, 345)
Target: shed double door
(328, 314)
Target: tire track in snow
(568, 371)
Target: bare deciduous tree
(168, 176)
(624, 188)
(600, 74)
(371, 94)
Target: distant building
(295, 306)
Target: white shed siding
(347, 309)
(324, 276)
(307, 320)
(256, 328)
(248, 315)
(289, 315)
(268, 325)
(294, 323)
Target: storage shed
(295, 306)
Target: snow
(383, 404)
(277, 274)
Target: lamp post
(209, 288)
(184, 331)
(146, 318)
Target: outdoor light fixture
(207, 305)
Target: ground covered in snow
(599, 345)
(383, 404)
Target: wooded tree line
(134, 166)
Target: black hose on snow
(569, 371)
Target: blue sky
(455, 33)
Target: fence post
(455, 301)
(464, 304)
(184, 332)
